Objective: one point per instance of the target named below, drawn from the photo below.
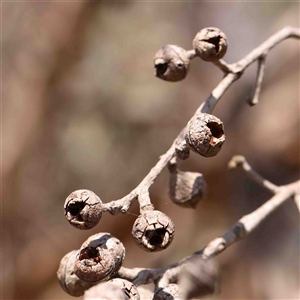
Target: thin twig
(246, 224)
(223, 66)
(169, 276)
(239, 67)
(239, 230)
(239, 162)
(286, 32)
(123, 204)
(259, 79)
(209, 105)
(235, 71)
(297, 201)
(191, 54)
(296, 187)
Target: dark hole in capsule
(127, 293)
(215, 41)
(156, 237)
(76, 208)
(216, 129)
(88, 253)
(161, 69)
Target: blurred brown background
(82, 109)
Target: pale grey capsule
(67, 278)
(83, 209)
(171, 63)
(153, 231)
(205, 134)
(210, 44)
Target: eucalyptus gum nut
(67, 279)
(129, 289)
(170, 292)
(171, 63)
(94, 264)
(186, 188)
(105, 290)
(153, 231)
(210, 44)
(205, 134)
(83, 209)
(100, 257)
(106, 241)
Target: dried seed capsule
(205, 134)
(69, 282)
(112, 244)
(186, 188)
(105, 291)
(94, 264)
(83, 209)
(153, 231)
(199, 277)
(100, 257)
(171, 63)
(170, 292)
(210, 44)
(129, 289)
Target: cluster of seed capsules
(91, 271)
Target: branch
(223, 66)
(286, 32)
(232, 73)
(239, 67)
(180, 149)
(238, 231)
(246, 224)
(296, 187)
(239, 162)
(297, 201)
(123, 204)
(259, 78)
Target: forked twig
(239, 162)
(259, 79)
(232, 73)
(241, 229)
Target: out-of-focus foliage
(82, 109)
